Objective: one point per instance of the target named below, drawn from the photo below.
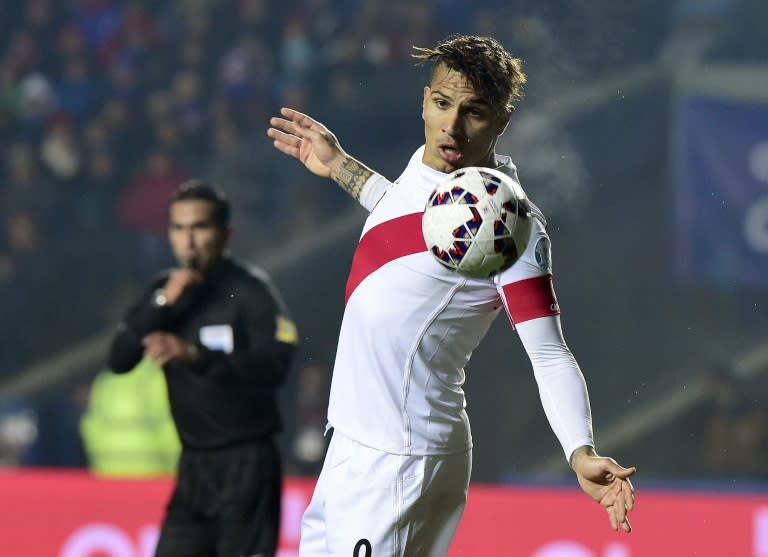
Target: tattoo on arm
(351, 177)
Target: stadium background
(643, 136)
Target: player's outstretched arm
(304, 138)
(607, 483)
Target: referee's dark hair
(206, 191)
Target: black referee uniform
(226, 501)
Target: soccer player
(396, 473)
(222, 334)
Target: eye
(441, 103)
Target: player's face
(196, 239)
(460, 127)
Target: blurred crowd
(106, 105)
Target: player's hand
(178, 281)
(165, 347)
(306, 139)
(607, 483)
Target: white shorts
(368, 503)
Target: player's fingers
(625, 473)
(293, 133)
(285, 142)
(301, 119)
(609, 498)
(308, 125)
(617, 470)
(285, 148)
(618, 521)
(290, 113)
(276, 133)
(284, 137)
(628, 491)
(285, 127)
(289, 150)
(620, 508)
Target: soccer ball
(477, 222)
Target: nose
(452, 124)
(190, 239)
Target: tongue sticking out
(450, 155)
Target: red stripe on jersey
(530, 298)
(383, 243)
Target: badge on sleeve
(218, 337)
(286, 331)
(543, 253)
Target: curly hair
(494, 73)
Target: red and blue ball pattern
(477, 222)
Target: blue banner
(721, 191)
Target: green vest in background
(127, 428)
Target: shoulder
(535, 261)
(540, 246)
(509, 168)
(254, 281)
(537, 214)
(247, 274)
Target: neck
(491, 160)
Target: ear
(427, 91)
(505, 121)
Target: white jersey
(410, 326)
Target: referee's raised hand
(179, 281)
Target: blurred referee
(225, 341)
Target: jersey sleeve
(561, 384)
(126, 349)
(373, 190)
(528, 294)
(526, 288)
